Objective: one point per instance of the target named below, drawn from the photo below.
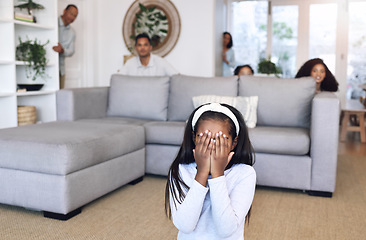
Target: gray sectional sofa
(106, 137)
(296, 138)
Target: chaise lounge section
(58, 167)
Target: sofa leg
(60, 216)
(320, 194)
(136, 181)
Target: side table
(353, 119)
(363, 99)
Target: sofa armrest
(324, 132)
(79, 103)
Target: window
(300, 30)
(249, 32)
(322, 35)
(356, 72)
(284, 38)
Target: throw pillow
(285, 102)
(246, 105)
(138, 97)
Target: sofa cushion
(284, 171)
(183, 88)
(280, 140)
(167, 133)
(116, 120)
(246, 105)
(138, 97)
(64, 147)
(282, 102)
(159, 158)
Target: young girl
(211, 183)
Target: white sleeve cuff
(198, 186)
(217, 180)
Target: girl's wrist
(202, 178)
(217, 174)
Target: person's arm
(186, 214)
(58, 48)
(69, 48)
(229, 211)
(230, 57)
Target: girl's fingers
(203, 141)
(221, 144)
(217, 144)
(200, 139)
(225, 142)
(207, 141)
(211, 145)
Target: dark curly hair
(328, 84)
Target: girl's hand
(202, 155)
(221, 155)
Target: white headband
(215, 107)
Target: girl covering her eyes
(211, 183)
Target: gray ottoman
(58, 167)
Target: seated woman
(325, 80)
(243, 70)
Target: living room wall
(194, 54)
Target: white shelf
(13, 72)
(35, 93)
(33, 25)
(22, 63)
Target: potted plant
(266, 66)
(33, 52)
(152, 21)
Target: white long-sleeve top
(67, 36)
(227, 69)
(218, 210)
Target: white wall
(76, 73)
(194, 53)
(220, 17)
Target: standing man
(66, 35)
(146, 63)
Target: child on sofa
(211, 183)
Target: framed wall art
(158, 18)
